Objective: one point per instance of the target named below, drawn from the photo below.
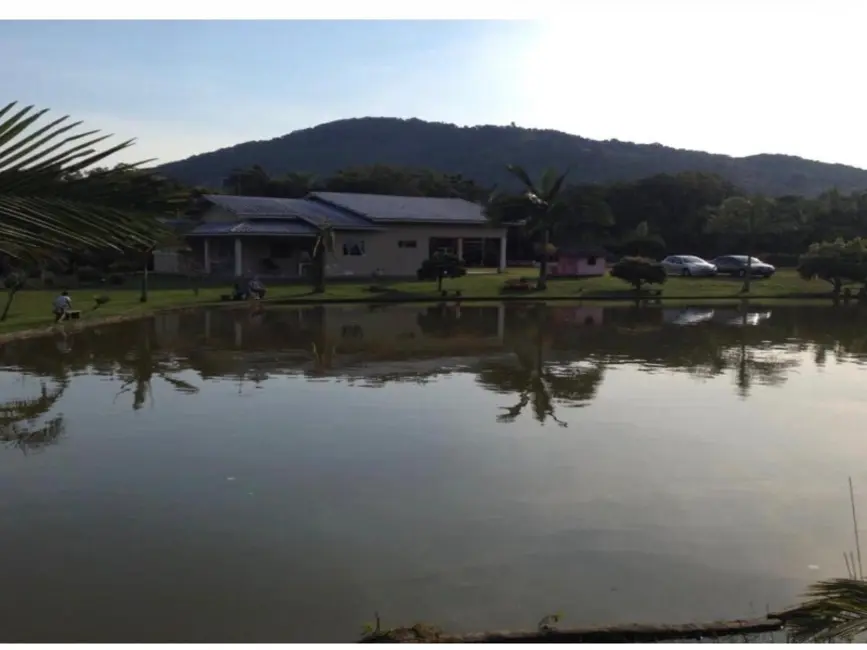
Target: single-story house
(578, 262)
(374, 235)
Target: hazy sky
(732, 77)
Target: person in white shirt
(61, 306)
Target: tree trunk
(748, 276)
(319, 271)
(10, 295)
(542, 283)
(144, 285)
(439, 282)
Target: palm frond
(836, 610)
(521, 174)
(45, 208)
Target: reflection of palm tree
(539, 383)
(141, 368)
(18, 419)
(770, 370)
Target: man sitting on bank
(61, 306)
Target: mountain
(481, 153)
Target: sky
(737, 77)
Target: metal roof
(313, 212)
(382, 208)
(295, 228)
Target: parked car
(687, 265)
(736, 265)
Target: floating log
(610, 634)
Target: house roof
(383, 209)
(296, 228)
(263, 207)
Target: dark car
(736, 265)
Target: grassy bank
(31, 309)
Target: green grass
(31, 309)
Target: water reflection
(403, 459)
(24, 422)
(543, 358)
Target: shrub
(439, 266)
(835, 262)
(638, 271)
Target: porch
(479, 252)
(275, 257)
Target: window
(407, 243)
(354, 248)
(591, 261)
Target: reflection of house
(578, 315)
(400, 339)
(578, 262)
(390, 235)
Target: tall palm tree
(543, 208)
(323, 247)
(48, 205)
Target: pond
(282, 474)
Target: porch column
(207, 259)
(239, 258)
(460, 248)
(502, 266)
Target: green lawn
(31, 309)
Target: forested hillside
(480, 153)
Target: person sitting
(256, 288)
(61, 306)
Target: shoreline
(649, 301)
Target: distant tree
(638, 271)
(642, 243)
(748, 217)
(441, 265)
(835, 262)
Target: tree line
(675, 210)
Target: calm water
(281, 476)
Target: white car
(687, 265)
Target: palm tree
(49, 206)
(322, 248)
(542, 207)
